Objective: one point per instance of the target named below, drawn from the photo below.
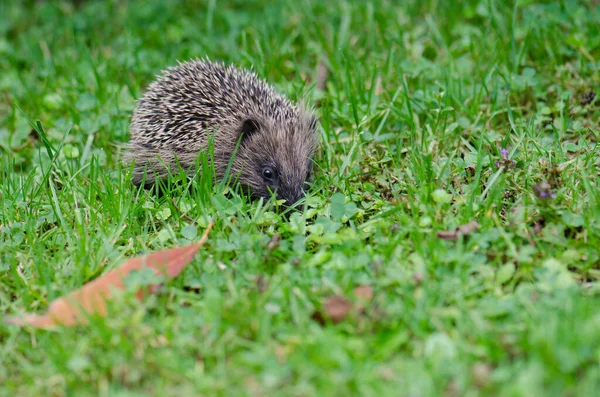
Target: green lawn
(417, 106)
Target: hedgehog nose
(292, 197)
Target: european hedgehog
(188, 103)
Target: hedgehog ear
(249, 128)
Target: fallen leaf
(75, 307)
(462, 230)
(448, 235)
(322, 74)
(274, 242)
(364, 292)
(337, 308)
(468, 228)
(418, 278)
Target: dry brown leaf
(468, 228)
(273, 242)
(75, 307)
(322, 74)
(418, 278)
(364, 292)
(337, 308)
(448, 235)
(462, 230)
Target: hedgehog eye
(268, 173)
(249, 127)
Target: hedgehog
(269, 141)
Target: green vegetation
(419, 101)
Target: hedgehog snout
(291, 196)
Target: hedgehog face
(276, 158)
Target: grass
(419, 101)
